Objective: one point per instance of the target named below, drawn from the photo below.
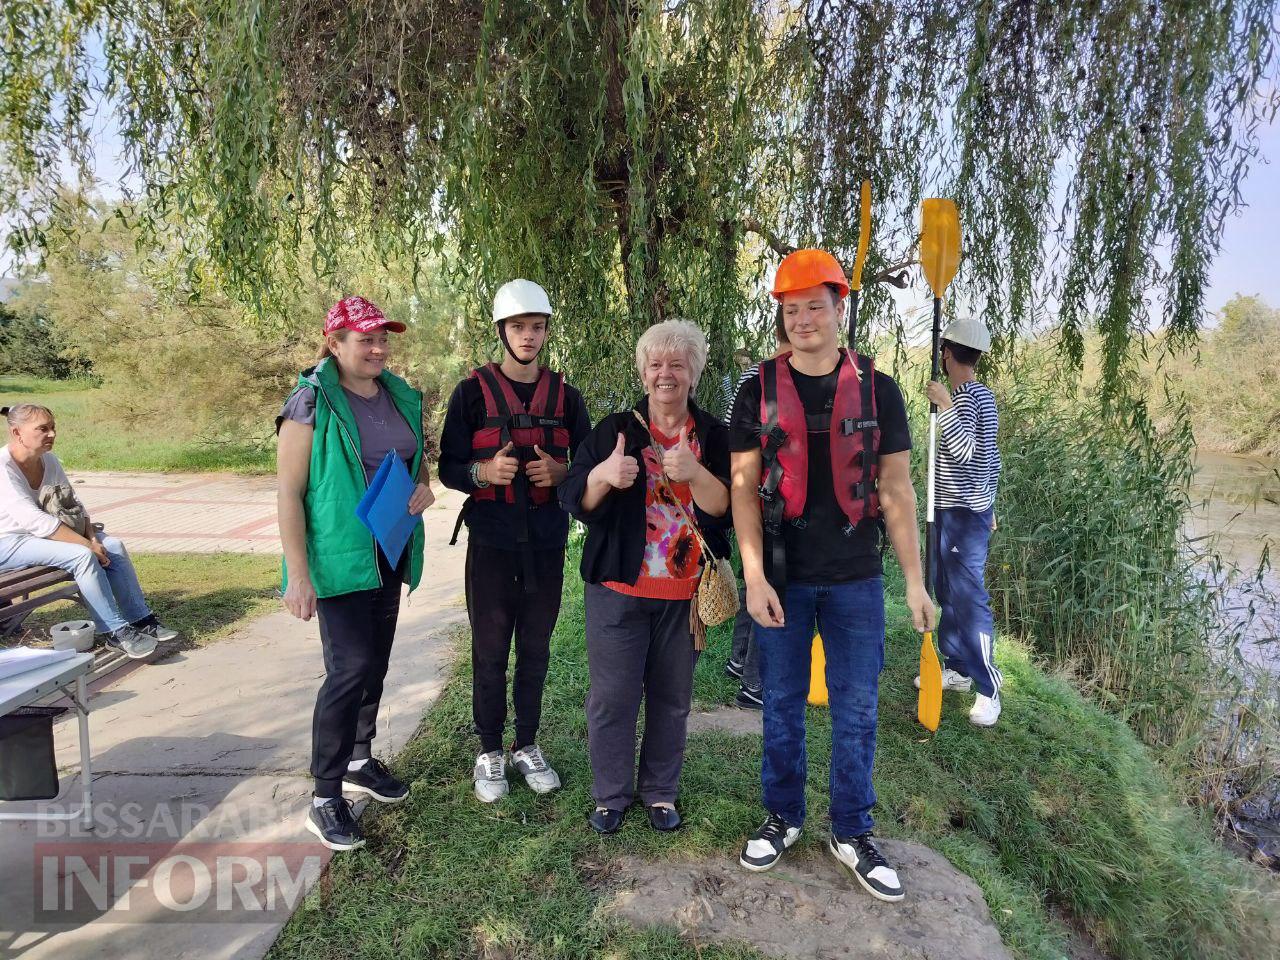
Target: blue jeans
(112, 594)
(966, 634)
(850, 617)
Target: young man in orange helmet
(821, 461)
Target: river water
(1236, 501)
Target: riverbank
(1057, 813)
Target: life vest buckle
(800, 523)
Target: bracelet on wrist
(475, 475)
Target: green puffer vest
(341, 551)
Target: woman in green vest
(339, 423)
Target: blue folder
(384, 509)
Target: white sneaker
(985, 711)
(537, 773)
(490, 776)
(952, 681)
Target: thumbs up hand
(679, 463)
(502, 469)
(619, 470)
(546, 471)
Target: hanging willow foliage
(643, 158)
(1095, 149)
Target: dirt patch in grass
(812, 907)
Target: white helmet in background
(519, 296)
(968, 332)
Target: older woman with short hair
(641, 563)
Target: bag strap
(662, 481)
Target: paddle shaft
(929, 530)
(853, 319)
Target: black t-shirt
(820, 552)
(493, 523)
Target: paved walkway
(200, 760)
(184, 513)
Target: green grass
(1057, 808)
(204, 596)
(95, 433)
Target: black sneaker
(733, 668)
(768, 844)
(749, 699)
(862, 856)
(335, 824)
(375, 780)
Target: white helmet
(968, 332)
(519, 296)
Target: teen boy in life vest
(508, 436)
(821, 457)
(965, 479)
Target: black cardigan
(614, 548)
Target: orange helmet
(808, 268)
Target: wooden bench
(28, 589)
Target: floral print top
(672, 555)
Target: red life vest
(506, 419)
(854, 435)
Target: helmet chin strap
(502, 335)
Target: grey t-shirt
(381, 425)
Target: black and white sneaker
(862, 856)
(376, 780)
(768, 844)
(749, 699)
(152, 627)
(335, 824)
(733, 668)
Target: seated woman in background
(43, 523)
(636, 483)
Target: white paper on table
(17, 660)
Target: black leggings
(499, 607)
(356, 630)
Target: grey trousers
(637, 648)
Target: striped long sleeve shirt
(968, 466)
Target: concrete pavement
(200, 761)
(183, 513)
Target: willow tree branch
(893, 275)
(780, 247)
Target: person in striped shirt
(966, 474)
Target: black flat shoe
(605, 821)
(665, 819)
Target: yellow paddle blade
(864, 236)
(929, 706)
(818, 674)
(939, 242)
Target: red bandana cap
(358, 314)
